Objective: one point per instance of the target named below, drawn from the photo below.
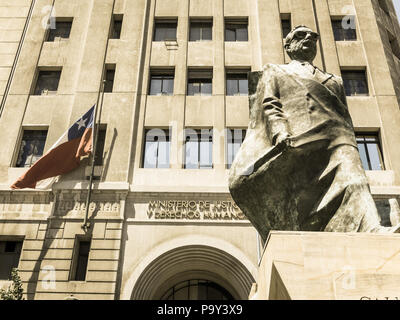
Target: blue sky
(397, 6)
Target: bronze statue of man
(299, 167)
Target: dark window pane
(243, 87)
(165, 31)
(341, 33)
(200, 31)
(10, 252)
(193, 88)
(47, 81)
(101, 138)
(116, 28)
(82, 260)
(168, 86)
(199, 87)
(109, 78)
(155, 86)
(230, 34)
(32, 146)
(206, 33)
(232, 87)
(355, 83)
(236, 84)
(241, 34)
(194, 34)
(286, 27)
(236, 32)
(62, 30)
(206, 88)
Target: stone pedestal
(329, 266)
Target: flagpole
(86, 224)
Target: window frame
(340, 34)
(75, 258)
(286, 17)
(235, 24)
(109, 68)
(167, 74)
(239, 74)
(199, 142)
(45, 92)
(17, 253)
(207, 23)
(69, 20)
(200, 77)
(162, 21)
(17, 151)
(355, 71)
(377, 142)
(167, 135)
(117, 18)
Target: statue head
(301, 44)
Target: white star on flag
(81, 123)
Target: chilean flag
(64, 156)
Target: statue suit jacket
(314, 109)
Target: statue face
(303, 45)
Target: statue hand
(276, 119)
(281, 137)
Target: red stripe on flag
(58, 161)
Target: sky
(397, 6)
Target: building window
(234, 140)
(370, 151)
(344, 32)
(236, 83)
(236, 30)
(101, 139)
(196, 290)
(156, 149)
(10, 252)
(47, 82)
(109, 75)
(31, 148)
(286, 24)
(62, 30)
(355, 82)
(80, 261)
(200, 30)
(165, 30)
(198, 149)
(116, 26)
(162, 83)
(199, 83)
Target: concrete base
(329, 266)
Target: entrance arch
(189, 263)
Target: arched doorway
(192, 270)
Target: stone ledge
(329, 266)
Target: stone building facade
(162, 226)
